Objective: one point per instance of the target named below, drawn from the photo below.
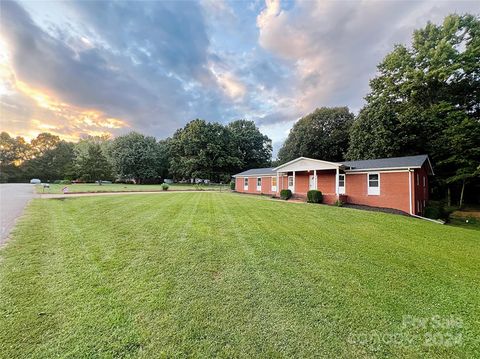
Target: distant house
(399, 183)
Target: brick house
(399, 183)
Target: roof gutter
(381, 169)
(255, 175)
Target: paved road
(13, 199)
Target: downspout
(410, 190)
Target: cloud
(72, 67)
(334, 47)
(232, 86)
(144, 65)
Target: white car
(35, 181)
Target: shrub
(314, 196)
(165, 186)
(339, 203)
(232, 185)
(285, 194)
(437, 210)
(433, 212)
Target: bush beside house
(285, 194)
(314, 196)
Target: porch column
(293, 182)
(278, 183)
(315, 179)
(336, 181)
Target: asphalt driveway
(13, 199)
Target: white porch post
(315, 179)
(278, 182)
(293, 182)
(336, 181)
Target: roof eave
(254, 175)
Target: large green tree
(203, 150)
(14, 151)
(55, 163)
(163, 164)
(136, 156)
(45, 157)
(322, 134)
(254, 149)
(92, 164)
(42, 143)
(426, 99)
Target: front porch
(304, 174)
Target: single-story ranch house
(399, 183)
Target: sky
(81, 68)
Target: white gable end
(306, 164)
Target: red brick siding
(420, 192)
(252, 185)
(301, 183)
(239, 184)
(326, 182)
(394, 191)
(282, 183)
(267, 185)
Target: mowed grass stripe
(210, 274)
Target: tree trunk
(461, 194)
(99, 182)
(449, 197)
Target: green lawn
(117, 187)
(228, 275)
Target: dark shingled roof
(380, 163)
(258, 171)
(394, 162)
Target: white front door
(341, 184)
(311, 182)
(290, 183)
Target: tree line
(199, 150)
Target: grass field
(226, 275)
(118, 187)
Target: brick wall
(394, 191)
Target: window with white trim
(245, 183)
(341, 184)
(274, 184)
(259, 184)
(373, 180)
